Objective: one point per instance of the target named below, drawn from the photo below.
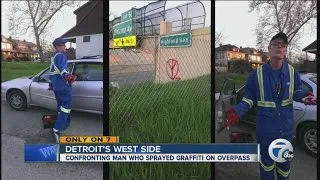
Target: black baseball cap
(280, 35)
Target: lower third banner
(159, 153)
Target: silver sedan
(87, 91)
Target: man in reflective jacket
(272, 88)
(61, 81)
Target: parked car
(87, 91)
(37, 59)
(305, 117)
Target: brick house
(14, 48)
(228, 52)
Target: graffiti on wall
(172, 68)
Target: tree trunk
(39, 47)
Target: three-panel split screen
(125, 90)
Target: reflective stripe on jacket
(59, 72)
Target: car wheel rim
(16, 101)
(310, 139)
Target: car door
(227, 98)
(39, 93)
(299, 108)
(88, 88)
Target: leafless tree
(112, 15)
(218, 38)
(288, 16)
(35, 15)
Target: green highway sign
(176, 40)
(123, 29)
(128, 15)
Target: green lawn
(238, 78)
(11, 70)
(177, 112)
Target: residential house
(87, 34)
(311, 48)
(253, 56)
(6, 48)
(13, 48)
(310, 64)
(225, 53)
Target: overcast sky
(237, 25)
(60, 24)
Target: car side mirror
(42, 80)
(36, 79)
(234, 91)
(228, 87)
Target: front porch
(71, 51)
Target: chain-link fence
(160, 94)
(146, 80)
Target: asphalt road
(303, 166)
(19, 128)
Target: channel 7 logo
(281, 150)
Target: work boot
(56, 135)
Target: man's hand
(310, 99)
(231, 118)
(71, 78)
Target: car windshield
(314, 79)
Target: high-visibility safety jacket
(274, 114)
(59, 72)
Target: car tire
(17, 100)
(307, 138)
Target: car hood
(17, 83)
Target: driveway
(19, 128)
(305, 169)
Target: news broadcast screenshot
(177, 108)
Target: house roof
(81, 7)
(311, 47)
(10, 40)
(74, 29)
(251, 51)
(28, 49)
(227, 47)
(22, 42)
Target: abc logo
(281, 150)
(288, 155)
